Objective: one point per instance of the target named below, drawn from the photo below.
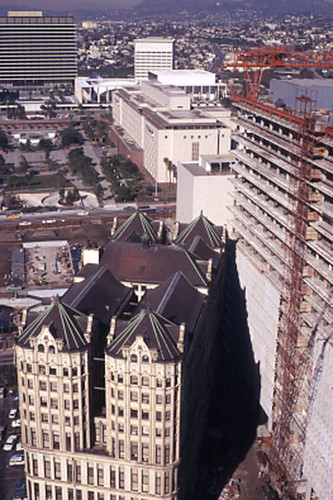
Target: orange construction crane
(256, 60)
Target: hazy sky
(56, 5)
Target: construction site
(283, 223)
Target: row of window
(95, 476)
(134, 380)
(134, 413)
(52, 370)
(134, 396)
(52, 403)
(52, 439)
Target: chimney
(112, 330)
(181, 338)
(89, 326)
(176, 230)
(209, 270)
(114, 225)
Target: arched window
(145, 380)
(134, 380)
(51, 349)
(145, 358)
(134, 358)
(41, 348)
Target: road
(8, 475)
(95, 154)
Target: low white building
(160, 120)
(99, 90)
(205, 186)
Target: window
(158, 432)
(145, 481)
(53, 386)
(145, 430)
(32, 416)
(134, 396)
(45, 439)
(113, 471)
(75, 404)
(166, 483)
(168, 382)
(57, 469)
(91, 495)
(43, 402)
(74, 372)
(47, 468)
(34, 466)
(30, 400)
(90, 473)
(120, 394)
(120, 412)
(56, 441)
(78, 495)
(29, 368)
(158, 382)
(145, 415)
(54, 404)
(55, 419)
(167, 415)
(67, 404)
(121, 428)
(121, 448)
(69, 471)
(145, 398)
(168, 398)
(76, 420)
(145, 452)
(134, 380)
(134, 430)
(134, 413)
(78, 474)
(195, 151)
(158, 416)
(145, 359)
(167, 432)
(41, 369)
(121, 478)
(134, 358)
(158, 484)
(158, 454)
(65, 372)
(30, 383)
(134, 480)
(134, 451)
(159, 399)
(41, 348)
(53, 370)
(68, 442)
(66, 388)
(67, 421)
(120, 379)
(51, 349)
(58, 491)
(167, 454)
(100, 475)
(75, 388)
(145, 381)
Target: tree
(70, 136)
(45, 145)
(24, 165)
(169, 167)
(3, 140)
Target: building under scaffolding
(268, 210)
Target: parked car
(17, 458)
(16, 423)
(13, 413)
(10, 441)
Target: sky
(61, 5)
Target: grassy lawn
(47, 182)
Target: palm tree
(169, 167)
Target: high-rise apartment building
(296, 395)
(113, 379)
(152, 54)
(37, 50)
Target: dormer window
(41, 348)
(51, 349)
(145, 358)
(134, 358)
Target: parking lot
(9, 475)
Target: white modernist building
(99, 90)
(152, 54)
(159, 119)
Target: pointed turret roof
(101, 294)
(137, 224)
(202, 227)
(157, 332)
(177, 300)
(63, 322)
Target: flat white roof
(156, 39)
(183, 77)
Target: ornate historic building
(114, 377)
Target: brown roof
(202, 227)
(177, 300)
(101, 294)
(137, 224)
(151, 264)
